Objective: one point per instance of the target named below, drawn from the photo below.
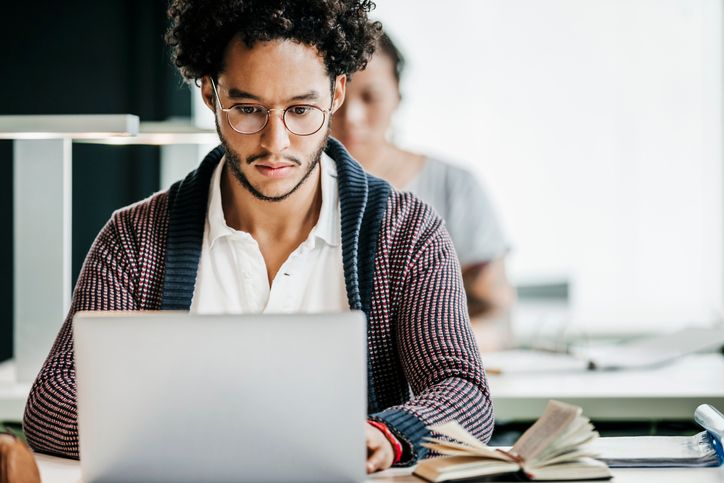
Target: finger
(380, 459)
(373, 439)
(374, 460)
(370, 433)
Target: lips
(274, 170)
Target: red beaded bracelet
(396, 446)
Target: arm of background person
(482, 247)
(489, 292)
(490, 297)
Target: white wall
(597, 127)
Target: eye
(300, 110)
(248, 109)
(370, 98)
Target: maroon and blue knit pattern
(400, 269)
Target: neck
(374, 156)
(387, 161)
(288, 220)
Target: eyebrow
(235, 93)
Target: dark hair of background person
(387, 47)
(88, 57)
(338, 29)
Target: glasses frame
(325, 113)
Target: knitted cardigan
(400, 268)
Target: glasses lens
(303, 120)
(247, 118)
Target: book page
(454, 430)
(467, 442)
(579, 433)
(555, 420)
(451, 448)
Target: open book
(553, 448)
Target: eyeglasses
(299, 119)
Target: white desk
(670, 392)
(13, 394)
(58, 470)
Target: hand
(379, 450)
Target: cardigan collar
(363, 201)
(326, 230)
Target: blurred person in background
(362, 125)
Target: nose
(274, 136)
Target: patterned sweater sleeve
(437, 349)
(107, 282)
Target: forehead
(379, 72)
(273, 69)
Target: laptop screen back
(176, 397)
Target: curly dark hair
(200, 30)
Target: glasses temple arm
(216, 93)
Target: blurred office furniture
(183, 145)
(42, 213)
(542, 367)
(42, 168)
(541, 317)
(86, 58)
(668, 392)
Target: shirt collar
(328, 225)
(327, 228)
(215, 221)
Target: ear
(340, 88)
(207, 93)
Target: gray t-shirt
(460, 200)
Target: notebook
(702, 449)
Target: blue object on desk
(712, 420)
(716, 444)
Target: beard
(233, 163)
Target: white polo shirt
(232, 276)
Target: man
(279, 218)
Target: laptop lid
(166, 396)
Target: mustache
(266, 154)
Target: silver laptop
(170, 396)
